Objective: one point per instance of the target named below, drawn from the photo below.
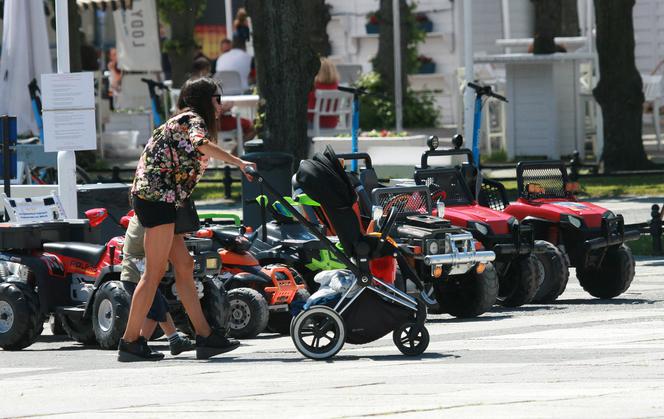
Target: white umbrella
(25, 55)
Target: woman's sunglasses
(218, 98)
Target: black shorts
(153, 213)
(159, 307)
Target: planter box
(426, 26)
(371, 28)
(427, 68)
(391, 156)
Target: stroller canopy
(324, 179)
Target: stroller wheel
(318, 333)
(411, 339)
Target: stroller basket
(370, 308)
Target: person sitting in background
(326, 79)
(226, 45)
(228, 122)
(201, 67)
(238, 60)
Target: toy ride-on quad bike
(463, 283)
(458, 276)
(260, 297)
(285, 240)
(76, 281)
(592, 238)
(519, 271)
(552, 263)
(108, 306)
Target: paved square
(579, 357)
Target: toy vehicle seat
(90, 253)
(231, 240)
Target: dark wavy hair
(196, 95)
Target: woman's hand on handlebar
(248, 169)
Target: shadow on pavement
(611, 302)
(472, 319)
(339, 358)
(528, 308)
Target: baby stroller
(371, 307)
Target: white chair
(652, 90)
(349, 73)
(231, 82)
(331, 103)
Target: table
(544, 115)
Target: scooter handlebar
(486, 91)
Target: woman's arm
(212, 150)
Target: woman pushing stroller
(169, 169)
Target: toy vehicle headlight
(576, 222)
(432, 247)
(212, 263)
(608, 214)
(377, 214)
(481, 228)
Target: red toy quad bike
(552, 260)
(76, 281)
(260, 296)
(590, 236)
(519, 271)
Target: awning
(104, 4)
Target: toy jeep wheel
(79, 330)
(110, 312)
(249, 313)
(411, 339)
(20, 320)
(613, 277)
(470, 294)
(520, 282)
(280, 322)
(556, 273)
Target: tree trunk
(180, 47)
(620, 89)
(286, 65)
(316, 17)
(384, 61)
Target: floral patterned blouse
(171, 165)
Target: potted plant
(373, 22)
(427, 66)
(423, 22)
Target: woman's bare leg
(183, 264)
(156, 243)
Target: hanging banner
(137, 37)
